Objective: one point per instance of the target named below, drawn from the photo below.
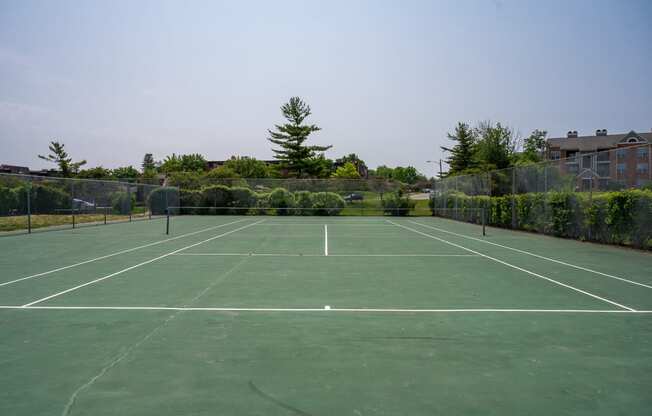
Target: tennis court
(304, 315)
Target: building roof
(593, 143)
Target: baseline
(325, 309)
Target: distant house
(23, 170)
(624, 157)
(212, 164)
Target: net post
(29, 207)
(105, 215)
(167, 221)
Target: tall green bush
(8, 200)
(161, 198)
(242, 199)
(303, 201)
(281, 199)
(218, 196)
(327, 203)
(397, 204)
(122, 202)
(46, 199)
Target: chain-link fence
(271, 196)
(603, 196)
(29, 203)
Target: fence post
(29, 206)
(72, 202)
(129, 200)
(590, 200)
(514, 198)
(484, 221)
(455, 199)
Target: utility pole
(441, 171)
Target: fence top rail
(113, 182)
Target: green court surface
(298, 315)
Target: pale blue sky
(385, 79)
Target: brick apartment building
(603, 159)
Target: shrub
(620, 217)
(185, 180)
(216, 196)
(327, 203)
(8, 200)
(189, 198)
(161, 198)
(262, 203)
(303, 200)
(398, 205)
(242, 198)
(122, 202)
(281, 199)
(48, 199)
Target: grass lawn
(19, 222)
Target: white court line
(325, 240)
(348, 224)
(321, 255)
(352, 310)
(536, 255)
(516, 267)
(117, 253)
(139, 265)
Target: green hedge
(396, 204)
(281, 199)
(161, 198)
(620, 217)
(122, 203)
(220, 199)
(8, 200)
(327, 203)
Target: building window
(571, 157)
(642, 152)
(603, 170)
(555, 155)
(603, 156)
(641, 168)
(620, 153)
(621, 169)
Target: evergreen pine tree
(462, 154)
(294, 156)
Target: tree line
(295, 158)
(490, 146)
